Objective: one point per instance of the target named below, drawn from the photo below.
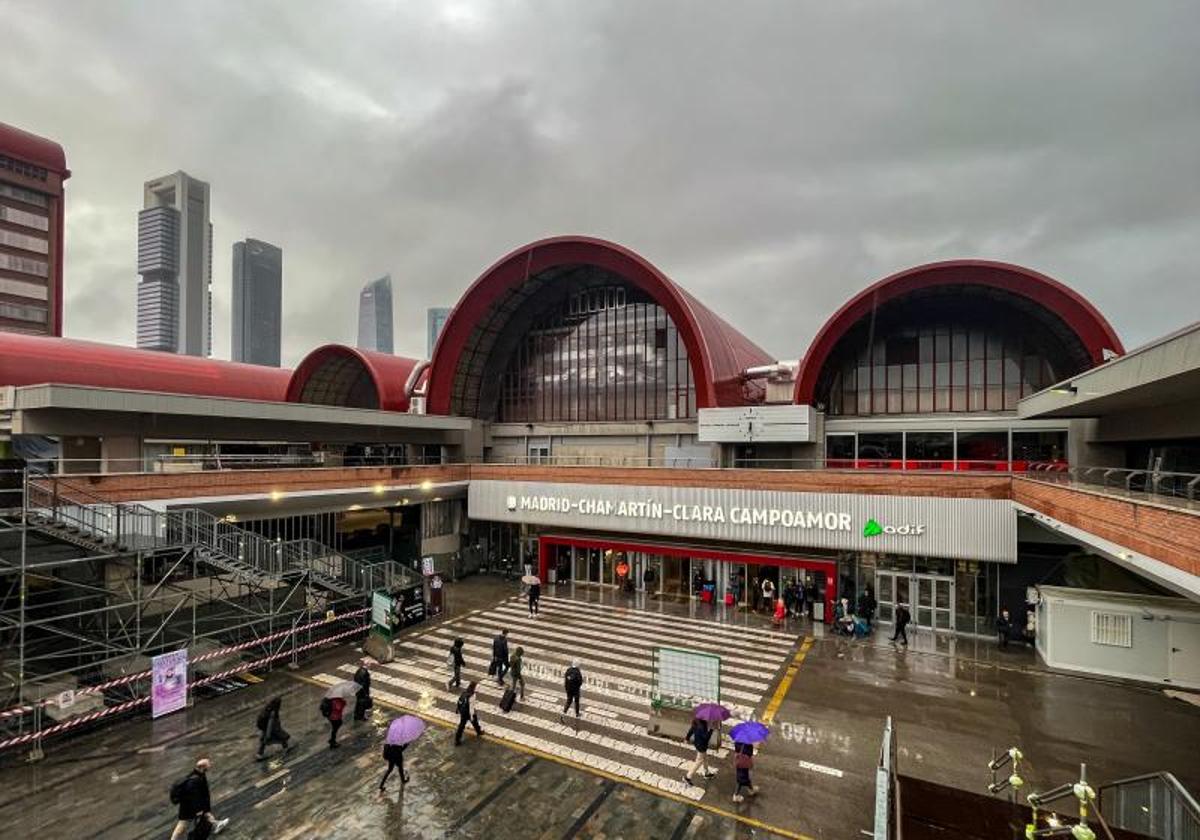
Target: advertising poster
(381, 611)
(168, 682)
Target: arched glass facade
(607, 352)
(929, 356)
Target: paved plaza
(602, 776)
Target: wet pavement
(603, 777)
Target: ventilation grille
(1115, 629)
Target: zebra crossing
(614, 646)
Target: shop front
(663, 570)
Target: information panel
(168, 682)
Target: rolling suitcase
(507, 701)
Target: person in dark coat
(362, 700)
(514, 668)
(573, 683)
(195, 802)
(467, 713)
(699, 736)
(337, 709)
(456, 663)
(866, 605)
(272, 730)
(535, 595)
(500, 655)
(743, 763)
(393, 754)
(1004, 627)
(902, 618)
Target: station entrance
(681, 572)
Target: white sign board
(426, 566)
(686, 677)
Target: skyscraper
(435, 319)
(375, 315)
(32, 172)
(175, 261)
(257, 302)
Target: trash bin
(552, 576)
(819, 611)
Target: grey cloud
(775, 158)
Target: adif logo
(874, 529)
(511, 502)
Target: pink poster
(168, 682)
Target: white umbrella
(531, 580)
(345, 690)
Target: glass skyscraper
(257, 302)
(435, 319)
(375, 315)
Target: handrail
(1153, 804)
(1136, 483)
(886, 793)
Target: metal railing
(1155, 805)
(1174, 488)
(887, 792)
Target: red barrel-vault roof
(36, 360)
(330, 375)
(32, 149)
(718, 352)
(1092, 329)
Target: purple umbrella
(404, 730)
(749, 732)
(711, 713)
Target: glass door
(935, 608)
(892, 590)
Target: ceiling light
(427, 485)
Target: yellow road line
(566, 762)
(786, 682)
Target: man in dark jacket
(195, 803)
(573, 683)
(500, 654)
(1004, 627)
(535, 595)
(362, 700)
(902, 618)
(866, 605)
(271, 728)
(456, 662)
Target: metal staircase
(60, 508)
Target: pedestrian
(801, 600)
(743, 763)
(789, 599)
(362, 700)
(195, 804)
(334, 708)
(573, 683)
(810, 595)
(902, 618)
(272, 730)
(455, 660)
(1004, 627)
(866, 606)
(699, 736)
(514, 668)
(768, 593)
(535, 595)
(499, 656)
(780, 612)
(467, 713)
(393, 754)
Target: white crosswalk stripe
(614, 646)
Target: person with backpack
(573, 683)
(699, 736)
(362, 700)
(455, 660)
(272, 730)
(333, 709)
(743, 763)
(467, 713)
(195, 804)
(514, 668)
(499, 656)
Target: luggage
(729, 599)
(706, 596)
(507, 701)
(492, 666)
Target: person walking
(866, 606)
(272, 730)
(768, 593)
(337, 710)
(467, 713)
(1004, 627)
(362, 700)
(573, 683)
(456, 661)
(499, 655)
(902, 618)
(699, 736)
(535, 595)
(743, 763)
(195, 804)
(393, 754)
(514, 668)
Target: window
(1112, 629)
(23, 289)
(24, 218)
(21, 194)
(983, 450)
(24, 265)
(1039, 447)
(18, 312)
(929, 449)
(27, 243)
(438, 519)
(880, 446)
(839, 450)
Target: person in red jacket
(336, 710)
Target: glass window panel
(877, 446)
(983, 448)
(929, 446)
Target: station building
(591, 419)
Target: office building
(32, 172)
(375, 315)
(257, 302)
(435, 318)
(175, 261)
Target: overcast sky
(773, 158)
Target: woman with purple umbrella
(401, 732)
(700, 736)
(745, 736)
